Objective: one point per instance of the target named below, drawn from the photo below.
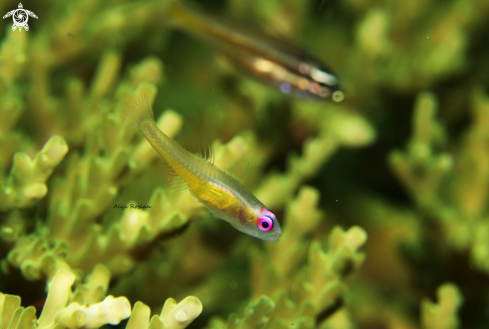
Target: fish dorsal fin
(204, 152)
(208, 153)
(240, 170)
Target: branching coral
(442, 315)
(59, 312)
(87, 190)
(256, 315)
(26, 182)
(427, 133)
(451, 188)
(173, 315)
(405, 46)
(69, 166)
(84, 308)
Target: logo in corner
(20, 17)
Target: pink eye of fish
(265, 224)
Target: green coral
(442, 315)
(26, 182)
(451, 188)
(86, 307)
(403, 160)
(173, 315)
(61, 311)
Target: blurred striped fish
(273, 61)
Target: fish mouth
(274, 237)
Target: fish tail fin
(136, 107)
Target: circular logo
(20, 17)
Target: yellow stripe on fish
(224, 196)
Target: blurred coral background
(383, 198)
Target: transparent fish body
(273, 61)
(224, 196)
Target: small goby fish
(268, 59)
(224, 196)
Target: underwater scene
(236, 164)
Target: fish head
(263, 225)
(316, 81)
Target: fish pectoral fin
(214, 212)
(208, 212)
(169, 178)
